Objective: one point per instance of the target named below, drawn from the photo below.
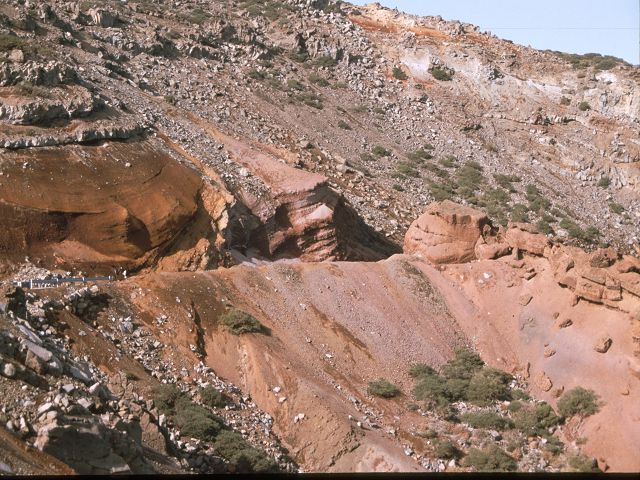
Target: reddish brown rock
(603, 257)
(525, 237)
(603, 344)
(446, 233)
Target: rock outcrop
(447, 233)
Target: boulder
(446, 233)
(526, 238)
(603, 258)
(603, 344)
(90, 447)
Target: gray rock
(9, 370)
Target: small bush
(294, 84)
(325, 62)
(382, 388)
(448, 162)
(565, 101)
(447, 450)
(170, 99)
(578, 401)
(165, 397)
(379, 151)
(257, 75)
(616, 208)
(515, 406)
(242, 457)
(406, 169)
(544, 227)
(490, 459)
(428, 433)
(239, 322)
(196, 421)
(464, 365)
(604, 182)
(318, 80)
(432, 388)
(9, 41)
(420, 370)
(440, 74)
(487, 420)
(213, 397)
(583, 464)
(554, 445)
(536, 420)
(344, 125)
(584, 106)
(310, 99)
(399, 74)
(489, 385)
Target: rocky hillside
(343, 239)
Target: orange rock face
(446, 233)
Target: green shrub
(440, 74)
(490, 459)
(515, 406)
(170, 99)
(325, 62)
(318, 80)
(489, 385)
(294, 84)
(344, 125)
(379, 151)
(165, 397)
(535, 420)
(583, 464)
(447, 450)
(584, 106)
(399, 74)
(421, 369)
(257, 75)
(442, 191)
(419, 155)
(9, 41)
(196, 421)
(544, 227)
(554, 445)
(310, 99)
(537, 202)
(519, 213)
(616, 208)
(604, 182)
(432, 388)
(406, 169)
(213, 397)
(429, 433)
(468, 177)
(448, 162)
(242, 457)
(464, 365)
(487, 420)
(239, 322)
(578, 401)
(382, 388)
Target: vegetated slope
(173, 139)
